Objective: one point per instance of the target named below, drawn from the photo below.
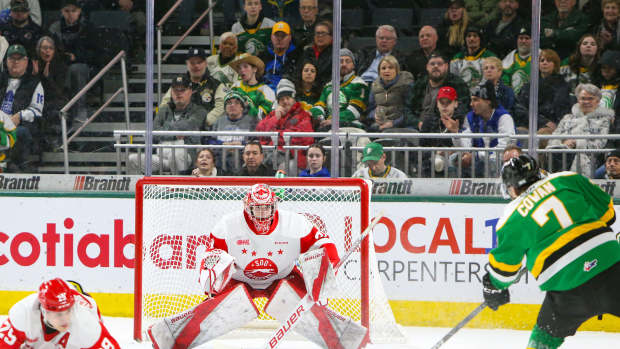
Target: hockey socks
(543, 340)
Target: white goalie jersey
(263, 259)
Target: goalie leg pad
(208, 320)
(320, 325)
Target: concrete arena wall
(430, 251)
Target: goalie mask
(56, 295)
(261, 206)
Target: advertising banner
(436, 187)
(425, 251)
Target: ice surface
(418, 338)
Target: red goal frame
(248, 181)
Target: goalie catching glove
(216, 270)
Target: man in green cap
(374, 158)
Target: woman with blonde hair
(492, 71)
(452, 29)
(387, 104)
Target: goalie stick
(468, 318)
(306, 302)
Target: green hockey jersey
(254, 41)
(562, 225)
(8, 135)
(516, 71)
(353, 100)
(260, 98)
(469, 68)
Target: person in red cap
(445, 116)
(59, 315)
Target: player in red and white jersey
(57, 317)
(253, 254)
(266, 242)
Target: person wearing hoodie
(468, 63)
(253, 30)
(587, 117)
(281, 57)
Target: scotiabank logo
(26, 249)
(20, 183)
(469, 187)
(99, 184)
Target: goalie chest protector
(263, 259)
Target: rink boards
(431, 254)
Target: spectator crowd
(469, 73)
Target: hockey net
(174, 217)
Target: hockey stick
(471, 315)
(307, 302)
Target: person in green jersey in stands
(561, 224)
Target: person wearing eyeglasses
(586, 117)
(368, 58)
(303, 32)
(320, 53)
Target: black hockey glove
(493, 296)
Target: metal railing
(120, 135)
(160, 28)
(412, 156)
(63, 112)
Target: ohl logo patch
(260, 269)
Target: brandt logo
(469, 187)
(101, 184)
(243, 242)
(20, 183)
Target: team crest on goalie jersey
(260, 269)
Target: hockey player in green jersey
(561, 224)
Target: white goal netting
(174, 220)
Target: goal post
(173, 221)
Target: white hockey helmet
(260, 206)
